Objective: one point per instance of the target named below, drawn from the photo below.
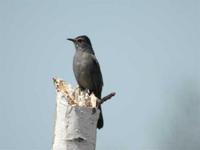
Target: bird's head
(82, 43)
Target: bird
(87, 70)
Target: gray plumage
(87, 70)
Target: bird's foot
(93, 110)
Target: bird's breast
(82, 70)
(81, 64)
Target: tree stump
(76, 120)
(76, 117)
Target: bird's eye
(80, 40)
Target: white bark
(76, 120)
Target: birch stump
(76, 118)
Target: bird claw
(93, 110)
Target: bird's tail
(100, 121)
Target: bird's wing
(96, 77)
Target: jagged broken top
(74, 95)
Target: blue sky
(149, 55)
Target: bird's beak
(71, 40)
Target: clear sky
(149, 55)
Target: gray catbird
(87, 70)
